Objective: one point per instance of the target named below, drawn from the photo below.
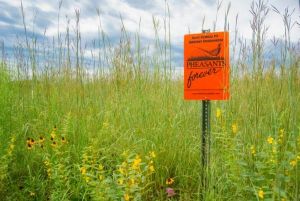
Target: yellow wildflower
(100, 167)
(136, 163)
(152, 154)
(132, 182)
(85, 158)
(53, 135)
(281, 136)
(13, 139)
(83, 170)
(42, 139)
(49, 172)
(218, 113)
(48, 166)
(234, 128)
(101, 177)
(87, 179)
(29, 146)
(281, 133)
(170, 181)
(121, 181)
(151, 168)
(121, 170)
(270, 140)
(10, 149)
(53, 144)
(126, 197)
(293, 163)
(11, 146)
(261, 194)
(253, 150)
(46, 162)
(283, 199)
(32, 194)
(30, 143)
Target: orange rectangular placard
(206, 66)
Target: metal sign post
(205, 149)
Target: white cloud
(186, 15)
(45, 6)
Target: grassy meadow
(127, 134)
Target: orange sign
(206, 66)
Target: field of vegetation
(125, 132)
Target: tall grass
(125, 132)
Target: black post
(205, 148)
(205, 141)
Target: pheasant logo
(214, 52)
(207, 58)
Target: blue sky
(185, 15)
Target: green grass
(143, 114)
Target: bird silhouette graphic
(214, 52)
